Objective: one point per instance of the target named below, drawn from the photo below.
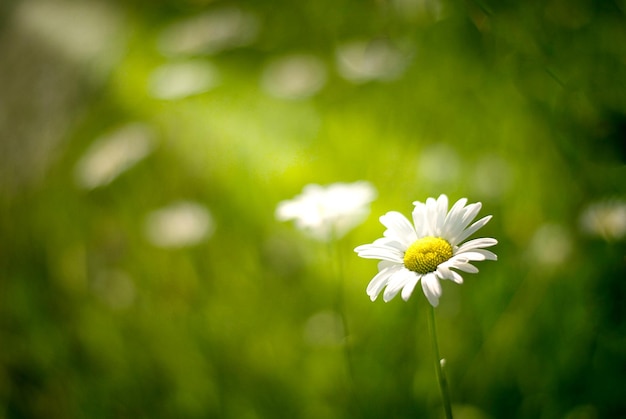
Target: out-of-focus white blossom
(209, 33)
(606, 219)
(182, 79)
(179, 225)
(363, 61)
(89, 33)
(551, 245)
(112, 154)
(328, 212)
(296, 76)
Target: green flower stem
(441, 376)
(337, 260)
(337, 263)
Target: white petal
(397, 281)
(398, 227)
(477, 243)
(373, 251)
(478, 255)
(488, 255)
(410, 286)
(420, 219)
(470, 230)
(445, 273)
(456, 259)
(455, 220)
(432, 288)
(457, 209)
(390, 242)
(431, 216)
(457, 278)
(443, 270)
(381, 279)
(471, 211)
(385, 264)
(473, 255)
(467, 215)
(465, 267)
(442, 210)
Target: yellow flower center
(425, 254)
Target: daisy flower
(328, 212)
(429, 249)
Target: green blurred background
(144, 146)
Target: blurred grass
(520, 106)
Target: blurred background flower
(295, 76)
(362, 61)
(145, 147)
(114, 153)
(181, 79)
(209, 32)
(178, 225)
(328, 212)
(606, 219)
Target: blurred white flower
(363, 61)
(178, 225)
(209, 33)
(295, 76)
(427, 249)
(606, 219)
(551, 245)
(90, 33)
(328, 212)
(113, 154)
(179, 80)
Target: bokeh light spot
(209, 33)
(294, 76)
(362, 61)
(114, 153)
(178, 225)
(179, 80)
